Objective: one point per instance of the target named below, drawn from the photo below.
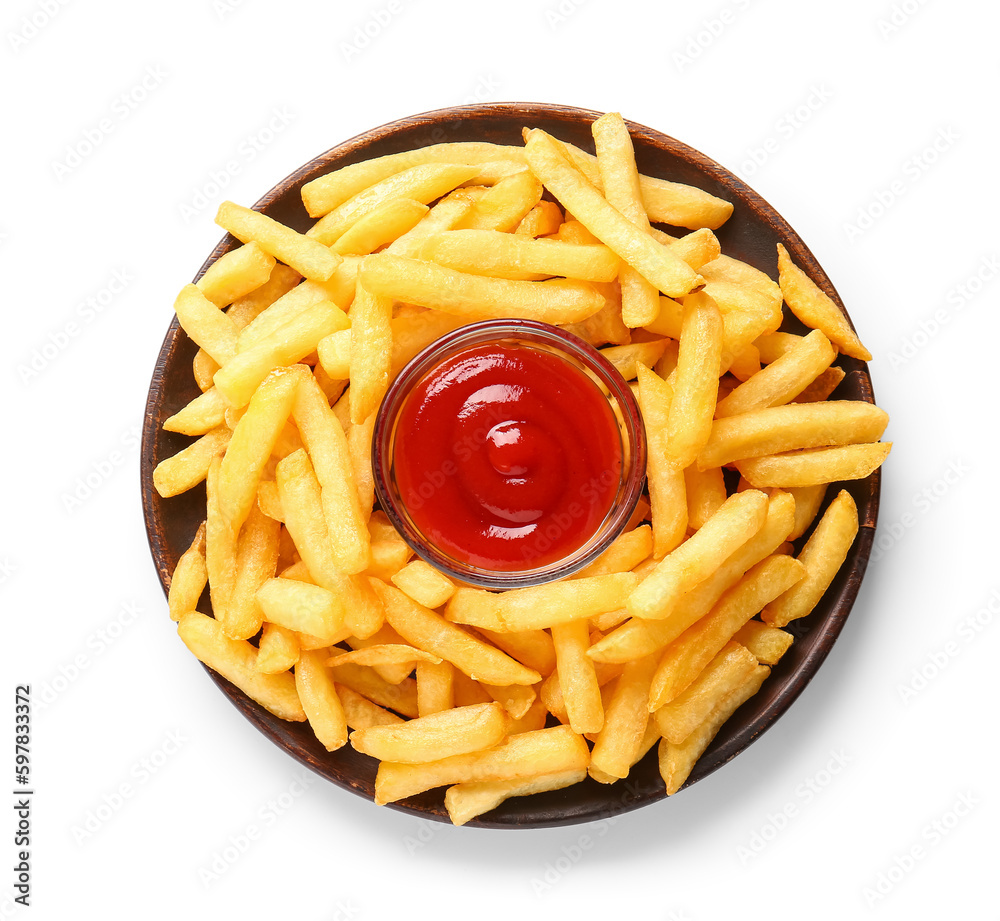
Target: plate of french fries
(572, 700)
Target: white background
(871, 126)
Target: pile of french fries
(321, 612)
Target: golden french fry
(822, 556)
(626, 358)
(204, 413)
(625, 719)
(360, 712)
(783, 379)
(815, 308)
(401, 697)
(188, 467)
(676, 761)
(478, 297)
(540, 606)
(256, 562)
(465, 801)
(824, 385)
(626, 552)
(527, 754)
(544, 219)
(533, 648)
(720, 678)
(768, 644)
(653, 261)
(424, 584)
(516, 256)
(791, 427)
(808, 500)
(664, 479)
(330, 454)
(306, 256)
(684, 659)
(505, 205)
(636, 637)
(281, 311)
(252, 442)
(278, 649)
(706, 491)
(447, 214)
(738, 519)
(206, 324)
(238, 379)
(322, 195)
(430, 738)
(430, 631)
(435, 687)
(236, 274)
(620, 181)
(189, 578)
(817, 466)
(383, 225)
(577, 677)
(304, 608)
(423, 183)
(236, 661)
(314, 683)
(385, 654)
(695, 382)
(371, 352)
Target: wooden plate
(751, 235)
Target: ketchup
(507, 457)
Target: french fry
(637, 637)
(738, 519)
(303, 608)
(822, 556)
(238, 379)
(815, 467)
(256, 562)
(653, 261)
(720, 678)
(676, 761)
(527, 754)
(329, 452)
(478, 297)
(768, 644)
(204, 413)
(430, 738)
(465, 801)
(577, 677)
(625, 720)
(791, 427)
(815, 308)
(542, 220)
(316, 690)
(626, 552)
(533, 648)
(385, 654)
(540, 606)
(423, 183)
(236, 274)
(322, 195)
(278, 649)
(306, 256)
(189, 578)
(371, 352)
(236, 661)
(360, 712)
(384, 224)
(280, 312)
(696, 382)
(400, 697)
(424, 584)
(808, 500)
(188, 467)
(685, 658)
(706, 491)
(824, 385)
(504, 205)
(430, 631)
(626, 358)
(783, 379)
(252, 442)
(206, 324)
(664, 479)
(620, 181)
(515, 256)
(435, 687)
(447, 214)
